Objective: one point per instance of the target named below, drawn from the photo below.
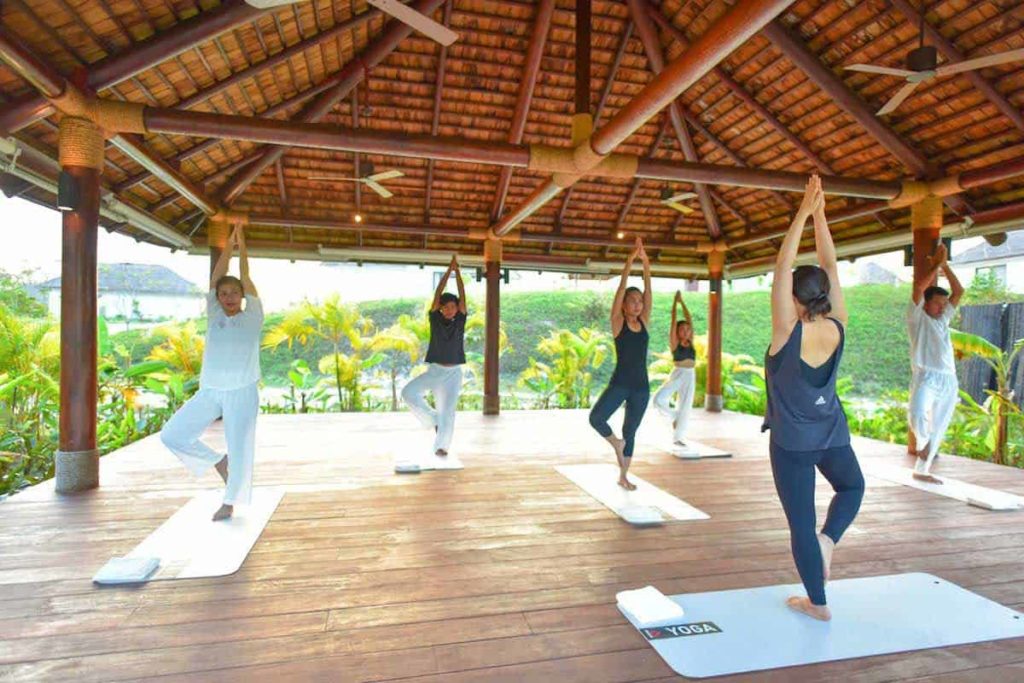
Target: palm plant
(401, 349)
(572, 358)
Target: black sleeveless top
(804, 412)
(684, 353)
(631, 358)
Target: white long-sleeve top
(931, 348)
(231, 359)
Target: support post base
(713, 403)
(492, 405)
(77, 471)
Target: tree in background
(15, 296)
(401, 349)
(568, 372)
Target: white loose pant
(933, 399)
(445, 383)
(239, 408)
(683, 381)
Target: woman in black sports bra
(683, 378)
(804, 414)
(631, 314)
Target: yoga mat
(979, 496)
(646, 505)
(427, 463)
(695, 450)
(737, 631)
(190, 545)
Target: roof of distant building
(1011, 248)
(137, 278)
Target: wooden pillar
(713, 400)
(492, 329)
(81, 158)
(926, 222)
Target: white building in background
(1005, 262)
(137, 293)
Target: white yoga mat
(737, 631)
(190, 545)
(978, 496)
(695, 450)
(646, 505)
(427, 463)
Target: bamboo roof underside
(948, 121)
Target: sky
(280, 282)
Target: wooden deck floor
(504, 571)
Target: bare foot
(827, 546)
(922, 452)
(225, 512)
(222, 468)
(930, 478)
(441, 452)
(626, 483)
(805, 606)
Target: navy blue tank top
(804, 411)
(684, 353)
(631, 358)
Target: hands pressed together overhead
(813, 202)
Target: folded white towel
(127, 570)
(649, 606)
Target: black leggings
(794, 481)
(610, 400)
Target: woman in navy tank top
(807, 422)
(631, 314)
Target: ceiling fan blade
(981, 62)
(683, 208)
(266, 4)
(385, 175)
(873, 69)
(378, 188)
(897, 99)
(681, 196)
(420, 22)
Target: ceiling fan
(675, 200)
(371, 180)
(404, 13)
(922, 66)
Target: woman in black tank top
(631, 314)
(804, 414)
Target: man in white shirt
(934, 391)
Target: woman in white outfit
(446, 355)
(227, 383)
(683, 378)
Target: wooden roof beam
(729, 32)
(343, 82)
(435, 122)
(648, 33)
(951, 53)
(138, 58)
(534, 53)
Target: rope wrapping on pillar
(81, 143)
(926, 214)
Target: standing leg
(840, 467)
(794, 482)
(921, 399)
(182, 432)
(636, 406)
(686, 390)
(663, 397)
(413, 395)
(446, 396)
(241, 408)
(944, 405)
(607, 403)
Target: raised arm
(436, 305)
(243, 264)
(460, 285)
(938, 259)
(673, 338)
(827, 260)
(956, 290)
(220, 269)
(617, 318)
(686, 311)
(648, 290)
(784, 315)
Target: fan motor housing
(923, 58)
